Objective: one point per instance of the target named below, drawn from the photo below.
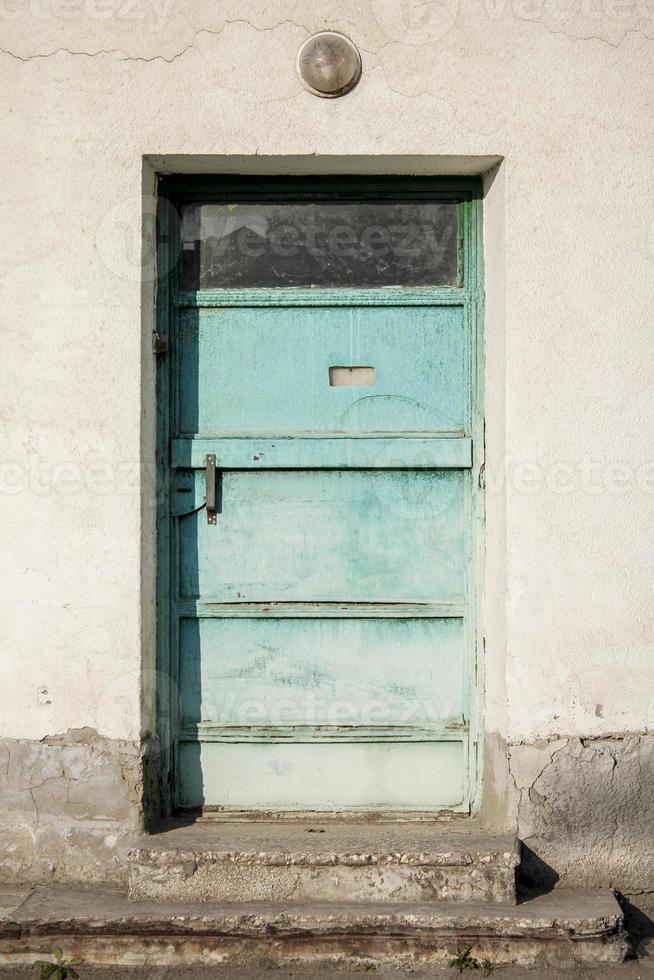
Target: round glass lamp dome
(329, 64)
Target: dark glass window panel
(353, 244)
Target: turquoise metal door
(318, 524)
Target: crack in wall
(157, 57)
(123, 56)
(574, 38)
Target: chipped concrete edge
(105, 928)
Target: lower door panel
(322, 625)
(323, 775)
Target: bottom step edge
(565, 928)
(142, 951)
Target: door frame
(175, 190)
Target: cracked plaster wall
(561, 91)
(71, 803)
(585, 811)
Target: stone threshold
(324, 862)
(316, 841)
(563, 928)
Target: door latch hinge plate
(160, 344)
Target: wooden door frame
(175, 190)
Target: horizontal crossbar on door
(325, 452)
(325, 296)
(192, 609)
(446, 731)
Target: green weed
(60, 969)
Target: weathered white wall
(560, 90)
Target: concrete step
(564, 928)
(324, 862)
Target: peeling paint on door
(322, 630)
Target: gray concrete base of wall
(73, 806)
(584, 811)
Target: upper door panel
(318, 370)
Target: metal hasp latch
(160, 343)
(211, 488)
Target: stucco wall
(97, 96)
